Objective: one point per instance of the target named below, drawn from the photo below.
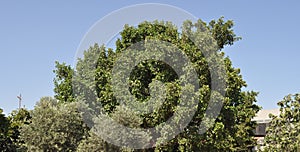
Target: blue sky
(35, 34)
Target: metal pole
(20, 100)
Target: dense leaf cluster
(283, 132)
(10, 130)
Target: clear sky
(34, 34)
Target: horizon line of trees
(57, 124)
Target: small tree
(18, 118)
(53, 127)
(283, 132)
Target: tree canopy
(232, 130)
(53, 127)
(283, 132)
(10, 129)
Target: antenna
(20, 100)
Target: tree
(232, 130)
(283, 132)
(6, 143)
(18, 118)
(53, 127)
(9, 129)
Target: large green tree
(232, 130)
(283, 132)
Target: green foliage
(4, 124)
(53, 127)
(92, 78)
(283, 132)
(18, 118)
(63, 82)
(9, 129)
(222, 32)
(122, 116)
(93, 143)
(6, 143)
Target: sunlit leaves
(283, 132)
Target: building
(263, 121)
